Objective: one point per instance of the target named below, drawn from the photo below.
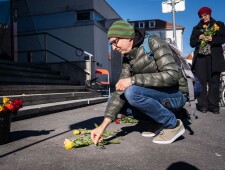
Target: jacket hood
(138, 38)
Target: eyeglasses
(114, 42)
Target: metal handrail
(28, 51)
(46, 33)
(79, 51)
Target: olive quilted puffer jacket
(158, 72)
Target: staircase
(42, 90)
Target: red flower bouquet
(10, 105)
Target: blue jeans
(157, 104)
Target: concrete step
(34, 99)
(29, 75)
(5, 79)
(6, 90)
(21, 73)
(29, 65)
(42, 109)
(47, 74)
(38, 69)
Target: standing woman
(207, 38)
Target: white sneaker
(168, 136)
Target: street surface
(37, 144)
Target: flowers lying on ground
(126, 120)
(83, 138)
(208, 31)
(10, 105)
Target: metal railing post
(89, 66)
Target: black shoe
(214, 110)
(202, 109)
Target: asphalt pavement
(37, 144)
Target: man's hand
(97, 132)
(123, 84)
(96, 135)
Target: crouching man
(150, 83)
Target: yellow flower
(5, 100)
(216, 27)
(68, 144)
(1, 108)
(76, 132)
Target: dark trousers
(209, 96)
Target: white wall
(101, 46)
(169, 34)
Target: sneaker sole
(151, 134)
(148, 135)
(171, 140)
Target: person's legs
(214, 94)
(156, 104)
(201, 71)
(152, 130)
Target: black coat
(218, 62)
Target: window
(141, 24)
(98, 17)
(151, 24)
(83, 16)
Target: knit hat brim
(121, 29)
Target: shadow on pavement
(181, 165)
(18, 135)
(89, 124)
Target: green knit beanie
(121, 29)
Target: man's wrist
(132, 81)
(105, 122)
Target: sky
(152, 9)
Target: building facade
(56, 32)
(161, 28)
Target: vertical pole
(174, 22)
(89, 66)
(46, 46)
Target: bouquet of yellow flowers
(208, 31)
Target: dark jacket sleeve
(194, 39)
(114, 105)
(115, 102)
(126, 69)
